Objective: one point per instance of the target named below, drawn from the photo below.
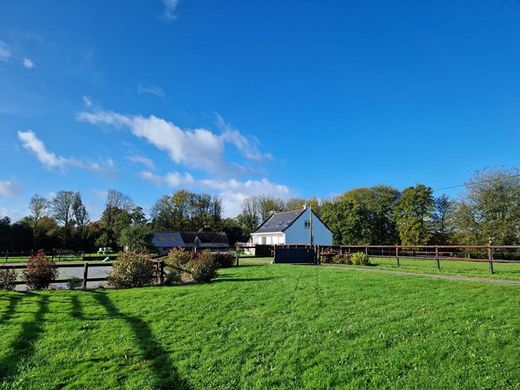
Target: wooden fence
(56, 254)
(159, 271)
(471, 253)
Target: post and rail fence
(472, 253)
(490, 254)
(158, 264)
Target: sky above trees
(239, 99)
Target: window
(307, 224)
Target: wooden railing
(158, 264)
(471, 253)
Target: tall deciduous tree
(490, 208)
(185, 210)
(62, 210)
(38, 207)
(115, 217)
(413, 215)
(442, 223)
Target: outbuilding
(165, 241)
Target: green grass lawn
(463, 268)
(266, 326)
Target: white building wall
(268, 238)
(297, 233)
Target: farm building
(292, 227)
(164, 241)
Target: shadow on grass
(165, 373)
(253, 265)
(229, 279)
(76, 309)
(23, 347)
(13, 301)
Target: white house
(292, 227)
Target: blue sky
(290, 98)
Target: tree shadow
(76, 310)
(23, 347)
(228, 279)
(165, 373)
(13, 301)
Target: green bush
(132, 269)
(172, 275)
(203, 267)
(342, 259)
(74, 283)
(360, 258)
(7, 279)
(178, 259)
(225, 260)
(40, 272)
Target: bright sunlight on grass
(266, 326)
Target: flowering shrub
(342, 259)
(178, 258)
(40, 272)
(203, 267)
(7, 279)
(132, 269)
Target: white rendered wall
(297, 233)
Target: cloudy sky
(237, 99)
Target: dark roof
(278, 222)
(181, 239)
(167, 239)
(205, 237)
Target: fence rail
(159, 271)
(470, 253)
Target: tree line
(488, 208)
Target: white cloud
(232, 192)
(87, 101)
(5, 51)
(172, 179)
(28, 63)
(169, 9)
(99, 194)
(199, 148)
(247, 146)
(148, 163)
(8, 188)
(32, 143)
(150, 89)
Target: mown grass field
(449, 267)
(266, 326)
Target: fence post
(161, 266)
(156, 266)
(6, 255)
(437, 257)
(85, 276)
(490, 258)
(397, 254)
